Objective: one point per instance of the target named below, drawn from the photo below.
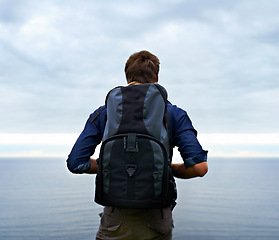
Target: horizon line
(218, 144)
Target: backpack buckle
(131, 169)
(132, 143)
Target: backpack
(134, 165)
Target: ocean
(237, 199)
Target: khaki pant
(135, 224)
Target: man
(119, 223)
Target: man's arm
(180, 171)
(79, 159)
(94, 167)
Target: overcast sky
(219, 61)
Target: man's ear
(157, 79)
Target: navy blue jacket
(182, 131)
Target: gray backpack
(134, 166)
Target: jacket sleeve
(184, 136)
(79, 159)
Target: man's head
(142, 67)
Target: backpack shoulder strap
(92, 119)
(163, 92)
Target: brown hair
(142, 67)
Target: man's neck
(133, 83)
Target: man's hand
(180, 171)
(94, 167)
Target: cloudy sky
(219, 61)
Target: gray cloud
(218, 60)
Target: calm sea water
(237, 199)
